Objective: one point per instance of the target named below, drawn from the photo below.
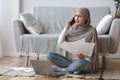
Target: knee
(49, 56)
(79, 62)
(75, 66)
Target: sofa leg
(37, 56)
(104, 59)
(20, 54)
(104, 62)
(27, 60)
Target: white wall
(8, 10)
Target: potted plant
(117, 3)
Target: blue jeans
(71, 67)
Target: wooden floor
(13, 61)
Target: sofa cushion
(104, 24)
(31, 23)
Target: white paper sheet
(77, 47)
(26, 69)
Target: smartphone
(73, 21)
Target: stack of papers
(78, 47)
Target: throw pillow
(104, 24)
(31, 23)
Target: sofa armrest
(114, 35)
(17, 30)
(104, 43)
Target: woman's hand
(68, 23)
(80, 55)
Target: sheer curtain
(1, 54)
(8, 9)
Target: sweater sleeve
(62, 36)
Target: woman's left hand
(80, 55)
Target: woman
(75, 29)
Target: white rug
(17, 71)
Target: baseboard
(13, 54)
(33, 55)
(116, 55)
(17, 54)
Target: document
(77, 47)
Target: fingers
(80, 55)
(68, 23)
(70, 19)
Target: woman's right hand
(68, 23)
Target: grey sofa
(53, 20)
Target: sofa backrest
(53, 19)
